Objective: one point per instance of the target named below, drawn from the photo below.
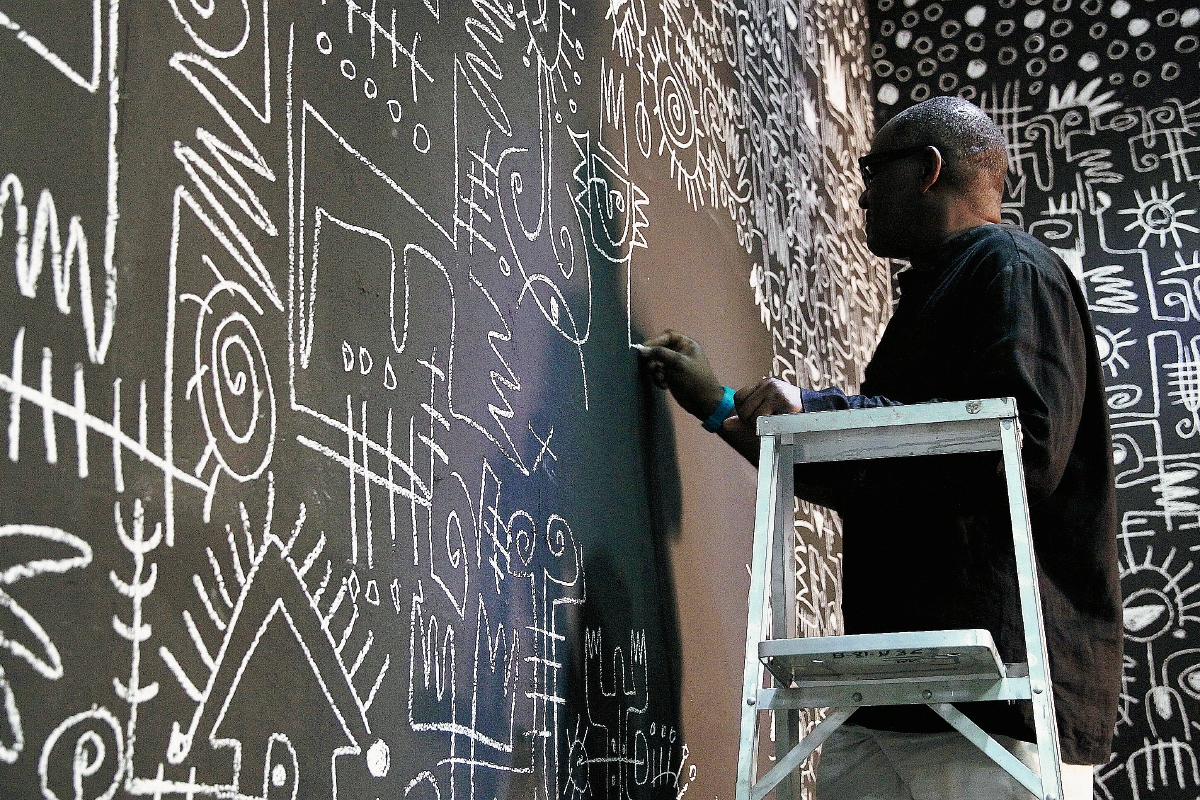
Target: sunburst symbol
(1158, 216)
(1109, 344)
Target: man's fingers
(673, 340)
(662, 355)
(755, 395)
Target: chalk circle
(1058, 53)
(888, 94)
(910, 19)
(379, 759)
(349, 71)
(1034, 88)
(571, 104)
(885, 5)
(1116, 79)
(884, 68)
(1170, 71)
(887, 27)
(1145, 51)
(1148, 613)
(1092, 7)
(975, 16)
(93, 740)
(933, 12)
(926, 67)
(1187, 44)
(1005, 27)
(968, 92)
(1099, 30)
(1035, 19)
(951, 28)
(976, 68)
(421, 142)
(1007, 3)
(1061, 27)
(947, 52)
(1189, 17)
(1117, 49)
(324, 44)
(920, 92)
(923, 45)
(1141, 78)
(1007, 55)
(1061, 5)
(975, 42)
(1138, 26)
(1088, 62)
(1119, 9)
(370, 89)
(947, 82)
(1035, 43)
(904, 74)
(1167, 18)
(878, 50)
(1036, 67)
(395, 110)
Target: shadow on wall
(624, 726)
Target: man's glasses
(869, 164)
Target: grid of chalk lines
(743, 104)
(1100, 104)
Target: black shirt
(927, 543)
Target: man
(985, 311)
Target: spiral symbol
(233, 385)
(712, 116)
(676, 112)
(89, 763)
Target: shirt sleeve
(1028, 343)
(834, 399)
(1030, 346)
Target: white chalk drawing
(377, 241)
(1103, 137)
(22, 636)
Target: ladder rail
(1037, 658)
(765, 505)
(783, 607)
(922, 429)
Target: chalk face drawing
(318, 324)
(1101, 120)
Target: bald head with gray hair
(970, 142)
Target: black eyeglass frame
(869, 163)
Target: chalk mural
(318, 326)
(1101, 108)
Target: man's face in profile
(890, 173)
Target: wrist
(722, 411)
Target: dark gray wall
(1101, 103)
(327, 470)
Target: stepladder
(941, 669)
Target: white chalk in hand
(641, 348)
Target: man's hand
(677, 363)
(768, 396)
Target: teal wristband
(720, 413)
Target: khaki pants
(862, 764)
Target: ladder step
(882, 656)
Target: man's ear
(931, 167)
